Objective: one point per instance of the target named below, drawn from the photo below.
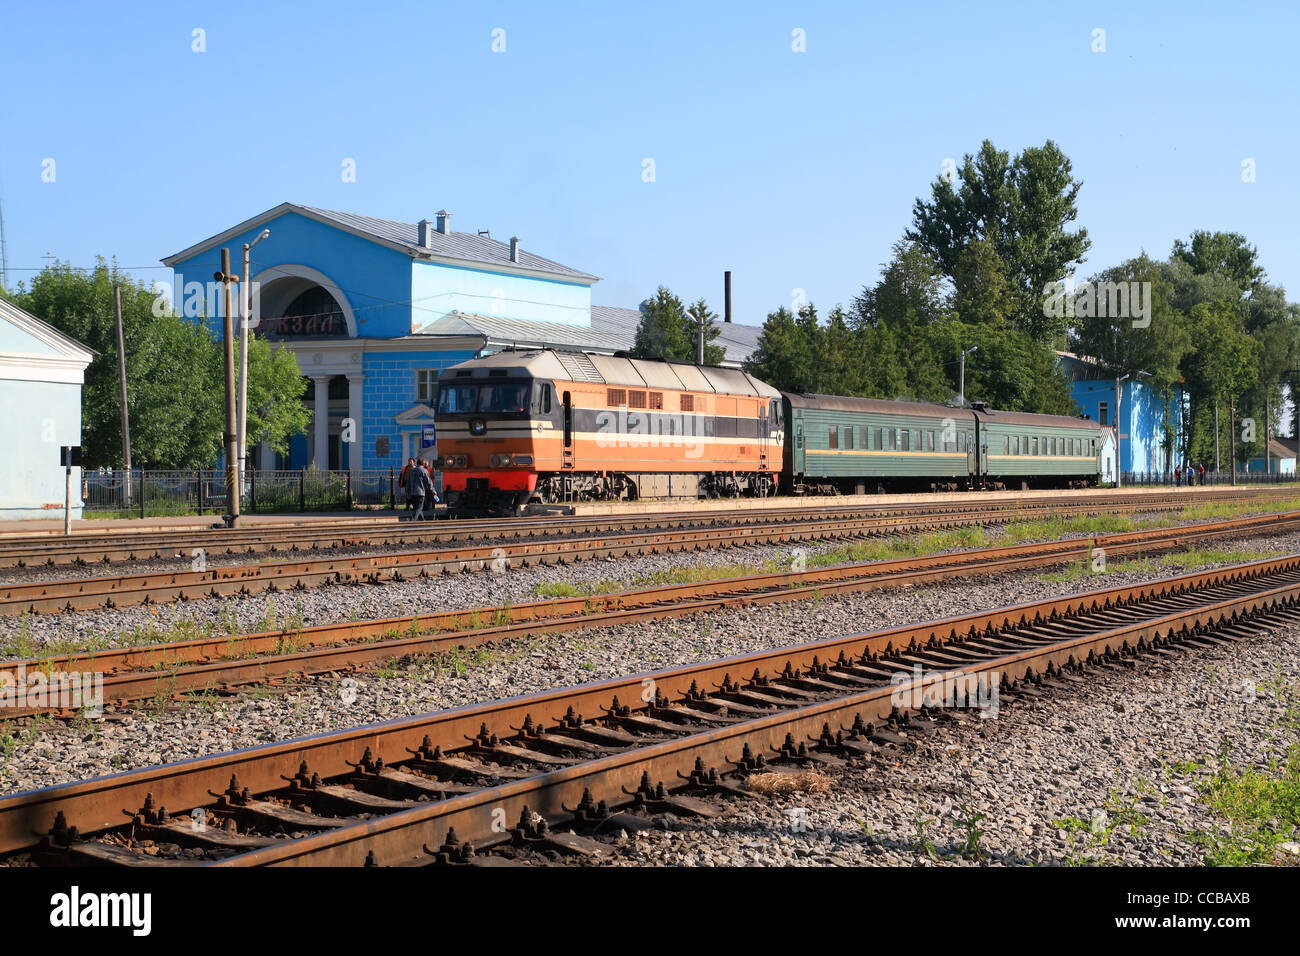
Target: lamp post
(961, 386)
(243, 358)
(1119, 400)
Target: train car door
(567, 459)
(764, 435)
(972, 455)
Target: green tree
(669, 330)
(174, 371)
(784, 355)
(1022, 209)
(1225, 254)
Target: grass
(776, 782)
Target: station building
(373, 308)
(41, 374)
(1147, 423)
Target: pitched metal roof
(454, 247)
(64, 346)
(737, 341)
(612, 330)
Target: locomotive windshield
(499, 397)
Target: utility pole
(121, 376)
(231, 437)
(1216, 434)
(699, 351)
(1119, 435)
(961, 376)
(1232, 437)
(246, 313)
(1268, 432)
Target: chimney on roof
(444, 222)
(514, 248)
(726, 296)
(426, 234)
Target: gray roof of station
(612, 330)
(464, 247)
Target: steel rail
(1180, 603)
(75, 594)
(135, 546)
(145, 672)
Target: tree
(1225, 254)
(1022, 209)
(174, 370)
(784, 355)
(669, 330)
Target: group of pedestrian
(417, 482)
(1191, 474)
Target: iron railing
(1144, 478)
(204, 491)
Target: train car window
(916, 439)
(888, 435)
(616, 397)
(1051, 446)
(930, 441)
(833, 438)
(688, 403)
(848, 436)
(636, 399)
(868, 435)
(1033, 443)
(1006, 444)
(656, 400)
(904, 440)
(880, 439)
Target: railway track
(109, 591)
(508, 775)
(82, 550)
(169, 670)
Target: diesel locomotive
(549, 426)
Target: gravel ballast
(1035, 764)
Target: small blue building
(41, 374)
(373, 308)
(1145, 445)
(1281, 459)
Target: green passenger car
(855, 445)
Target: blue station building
(373, 308)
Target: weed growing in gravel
(969, 822)
(267, 623)
(923, 843)
(21, 644)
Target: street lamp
(961, 387)
(243, 359)
(1119, 400)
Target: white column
(321, 421)
(355, 410)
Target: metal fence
(204, 491)
(1144, 478)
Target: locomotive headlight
(460, 461)
(505, 461)
(495, 461)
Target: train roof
(995, 417)
(878, 406)
(567, 366)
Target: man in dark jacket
(418, 484)
(401, 482)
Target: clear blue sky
(794, 170)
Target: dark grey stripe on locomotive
(632, 421)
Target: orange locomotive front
(552, 426)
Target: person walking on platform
(417, 487)
(401, 481)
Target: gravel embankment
(1098, 775)
(46, 753)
